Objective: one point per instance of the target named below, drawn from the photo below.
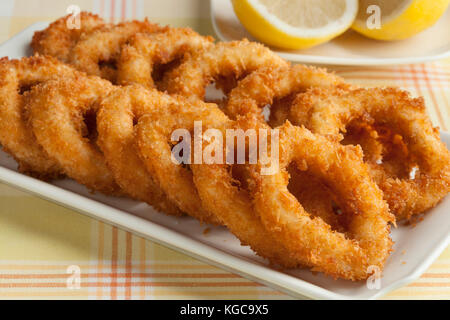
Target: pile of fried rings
(98, 104)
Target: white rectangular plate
(415, 247)
(350, 48)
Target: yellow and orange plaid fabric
(40, 241)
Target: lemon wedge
(295, 24)
(397, 19)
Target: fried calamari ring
(145, 50)
(330, 111)
(225, 59)
(16, 137)
(58, 40)
(153, 136)
(310, 240)
(264, 86)
(58, 110)
(119, 112)
(275, 87)
(97, 52)
(222, 191)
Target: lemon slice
(295, 24)
(400, 19)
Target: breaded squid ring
(145, 50)
(225, 59)
(16, 137)
(153, 134)
(276, 87)
(262, 87)
(329, 111)
(57, 113)
(271, 86)
(221, 194)
(223, 191)
(118, 114)
(310, 240)
(58, 40)
(103, 47)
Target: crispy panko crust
(137, 59)
(227, 197)
(310, 240)
(97, 53)
(227, 59)
(58, 40)
(16, 137)
(57, 112)
(153, 135)
(264, 214)
(329, 111)
(116, 119)
(266, 85)
(270, 85)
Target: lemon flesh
(400, 19)
(295, 24)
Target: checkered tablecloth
(40, 241)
